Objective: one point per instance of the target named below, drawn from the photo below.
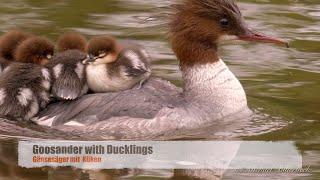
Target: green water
(282, 84)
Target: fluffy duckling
(68, 70)
(4, 64)
(10, 41)
(24, 90)
(114, 68)
(71, 41)
(36, 50)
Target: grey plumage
(135, 62)
(3, 64)
(70, 80)
(24, 90)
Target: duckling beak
(89, 59)
(250, 35)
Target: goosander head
(200, 24)
(37, 50)
(72, 41)
(102, 50)
(10, 41)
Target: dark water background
(282, 84)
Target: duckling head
(102, 50)
(37, 50)
(72, 41)
(10, 41)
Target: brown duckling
(10, 41)
(72, 41)
(36, 50)
(113, 67)
(67, 68)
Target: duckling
(4, 64)
(69, 78)
(10, 41)
(112, 67)
(24, 91)
(72, 40)
(68, 70)
(37, 50)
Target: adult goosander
(112, 67)
(69, 77)
(36, 50)
(210, 93)
(10, 41)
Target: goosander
(211, 92)
(72, 40)
(68, 71)
(10, 41)
(24, 91)
(112, 67)
(37, 50)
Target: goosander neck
(211, 92)
(112, 67)
(36, 50)
(69, 77)
(10, 41)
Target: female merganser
(114, 68)
(69, 77)
(10, 41)
(24, 90)
(211, 93)
(36, 50)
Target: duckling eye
(224, 22)
(102, 55)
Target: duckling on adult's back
(36, 50)
(4, 64)
(72, 41)
(24, 90)
(69, 73)
(10, 41)
(114, 68)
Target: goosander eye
(49, 56)
(224, 22)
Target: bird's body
(131, 67)
(116, 69)
(68, 71)
(69, 77)
(157, 108)
(24, 91)
(211, 92)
